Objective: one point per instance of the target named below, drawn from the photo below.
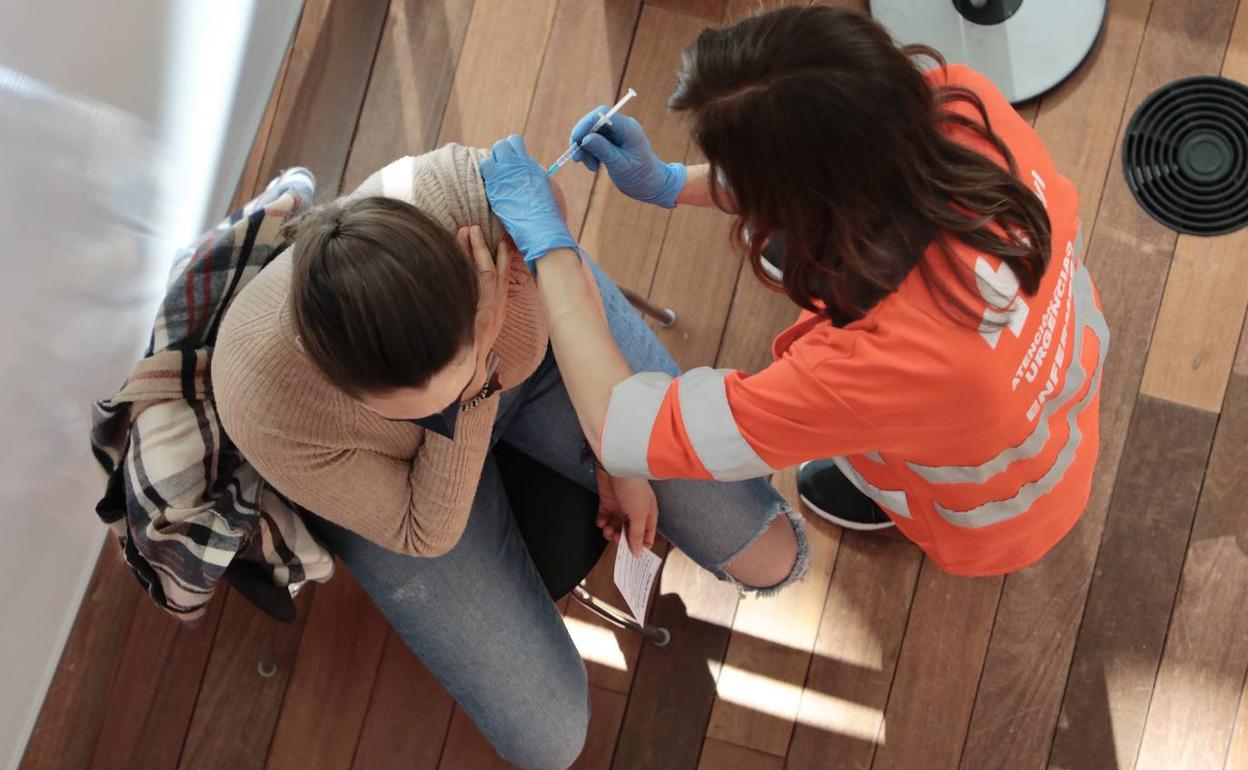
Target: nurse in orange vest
(950, 347)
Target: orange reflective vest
(979, 443)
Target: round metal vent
(1185, 155)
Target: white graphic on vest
(1037, 184)
(999, 288)
(1006, 309)
(1038, 350)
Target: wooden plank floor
(1127, 647)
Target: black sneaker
(826, 492)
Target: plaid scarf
(185, 506)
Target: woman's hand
(492, 301)
(520, 195)
(627, 503)
(622, 146)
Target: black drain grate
(1185, 155)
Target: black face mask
(441, 423)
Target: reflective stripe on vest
(892, 499)
(712, 429)
(1035, 442)
(1087, 317)
(631, 413)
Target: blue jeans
(479, 616)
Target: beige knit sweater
(391, 482)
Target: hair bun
(326, 220)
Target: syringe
(604, 120)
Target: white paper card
(634, 576)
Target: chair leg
(656, 634)
(267, 667)
(664, 315)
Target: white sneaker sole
(772, 271)
(837, 520)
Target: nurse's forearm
(589, 361)
(697, 191)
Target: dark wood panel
(237, 708)
(408, 714)
(1129, 256)
(334, 670)
(696, 253)
(938, 669)
(154, 695)
(1192, 714)
(710, 11)
(585, 58)
(1132, 593)
(757, 315)
(606, 712)
(855, 656)
(739, 9)
(718, 755)
(497, 71)
(75, 707)
(674, 687)
(330, 62)
(410, 84)
(623, 235)
(468, 749)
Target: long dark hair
(827, 132)
(381, 294)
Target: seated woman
(366, 373)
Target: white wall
(124, 125)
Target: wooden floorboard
(157, 685)
(606, 715)
(759, 690)
(330, 62)
(585, 58)
(410, 84)
(497, 71)
(938, 668)
(337, 662)
(717, 755)
(626, 236)
(234, 699)
(841, 716)
(674, 687)
(408, 714)
(1132, 593)
(468, 749)
(75, 707)
(1192, 713)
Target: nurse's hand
(622, 146)
(521, 197)
(627, 507)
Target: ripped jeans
(480, 618)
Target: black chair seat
(556, 518)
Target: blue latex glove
(520, 195)
(624, 149)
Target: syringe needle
(604, 120)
